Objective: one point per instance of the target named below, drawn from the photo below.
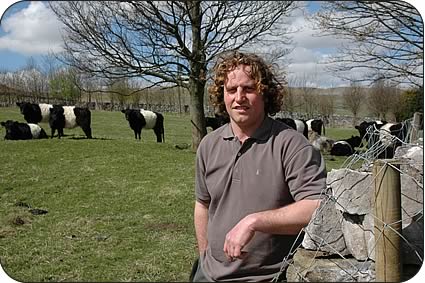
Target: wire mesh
(378, 142)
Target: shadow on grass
(75, 137)
(94, 138)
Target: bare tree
(326, 106)
(382, 99)
(354, 99)
(308, 94)
(292, 100)
(385, 39)
(34, 82)
(152, 40)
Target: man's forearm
(201, 224)
(288, 220)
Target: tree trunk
(197, 114)
(197, 80)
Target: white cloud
(308, 37)
(32, 30)
(310, 50)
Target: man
(258, 181)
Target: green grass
(118, 209)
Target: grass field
(117, 209)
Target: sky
(30, 29)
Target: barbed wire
(362, 162)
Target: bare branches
(354, 98)
(145, 38)
(385, 40)
(165, 43)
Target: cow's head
(24, 107)
(10, 127)
(126, 112)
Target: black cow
(22, 131)
(346, 147)
(69, 117)
(296, 124)
(35, 113)
(140, 118)
(217, 121)
(316, 125)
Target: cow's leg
(53, 132)
(87, 131)
(158, 134)
(60, 133)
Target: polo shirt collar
(262, 133)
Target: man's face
(243, 103)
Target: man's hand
(237, 238)
(287, 220)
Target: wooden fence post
(388, 220)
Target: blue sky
(30, 29)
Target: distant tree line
(66, 85)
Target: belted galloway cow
(145, 119)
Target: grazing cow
(69, 117)
(139, 119)
(22, 131)
(299, 125)
(316, 125)
(346, 147)
(217, 121)
(35, 113)
(322, 143)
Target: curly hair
(266, 82)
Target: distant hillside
(324, 91)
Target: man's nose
(240, 94)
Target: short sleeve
(201, 191)
(306, 174)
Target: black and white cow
(368, 131)
(35, 112)
(383, 136)
(22, 131)
(297, 124)
(216, 121)
(391, 136)
(144, 119)
(346, 147)
(316, 125)
(69, 117)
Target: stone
(324, 232)
(352, 190)
(313, 266)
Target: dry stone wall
(340, 242)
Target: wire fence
(341, 242)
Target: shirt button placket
(236, 174)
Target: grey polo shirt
(271, 169)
